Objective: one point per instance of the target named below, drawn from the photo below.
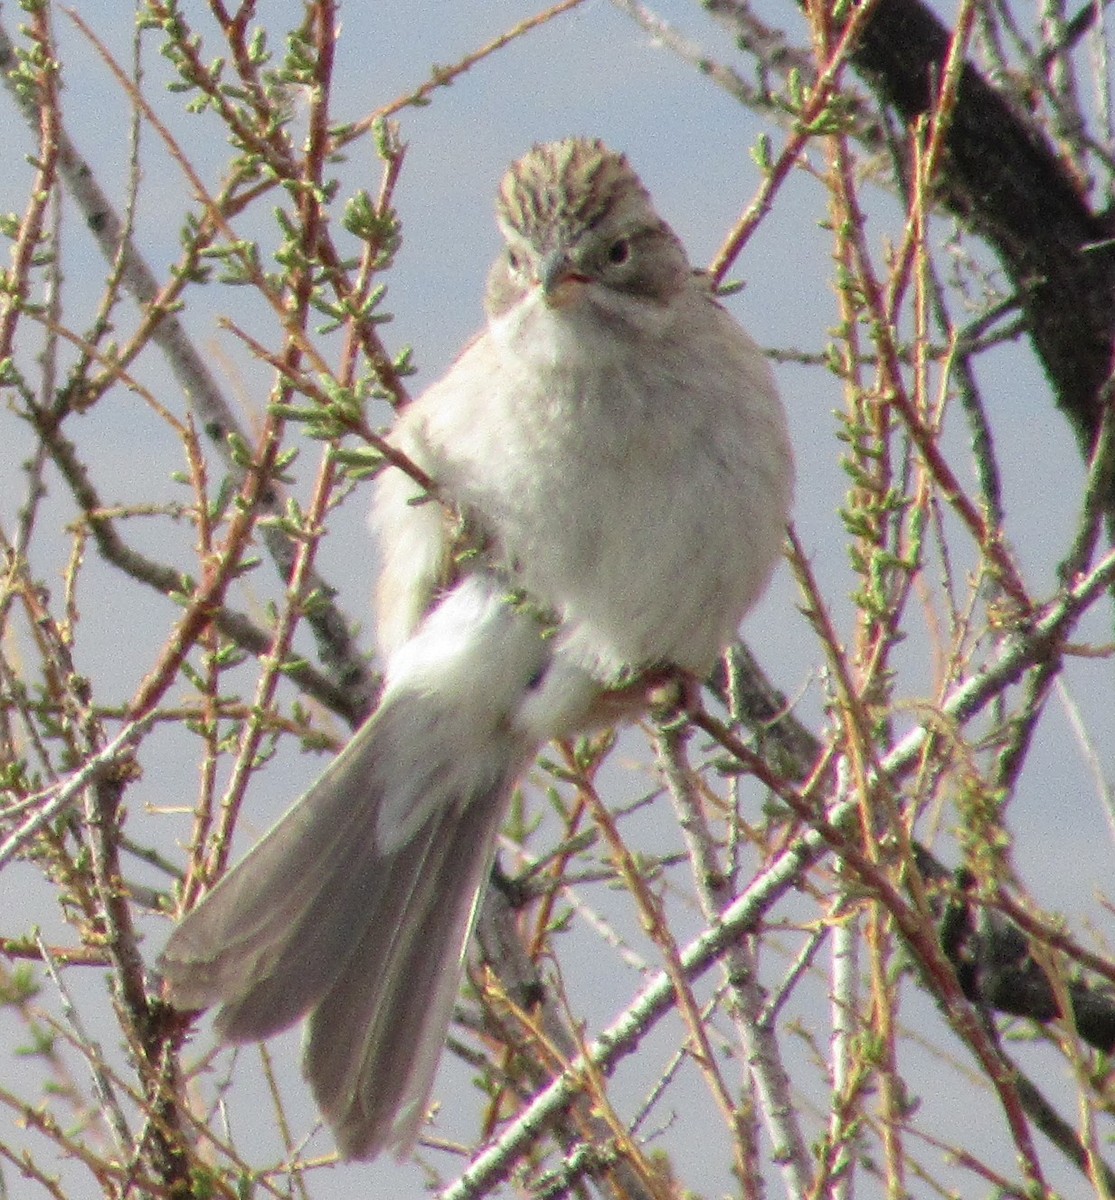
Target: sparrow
(611, 480)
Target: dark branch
(1002, 177)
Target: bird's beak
(560, 280)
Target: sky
(591, 72)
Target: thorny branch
(901, 756)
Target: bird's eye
(513, 260)
(619, 252)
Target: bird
(603, 486)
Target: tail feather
(269, 940)
(357, 906)
(374, 1041)
(263, 941)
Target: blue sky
(590, 72)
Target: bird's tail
(356, 907)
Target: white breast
(641, 496)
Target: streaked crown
(567, 186)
